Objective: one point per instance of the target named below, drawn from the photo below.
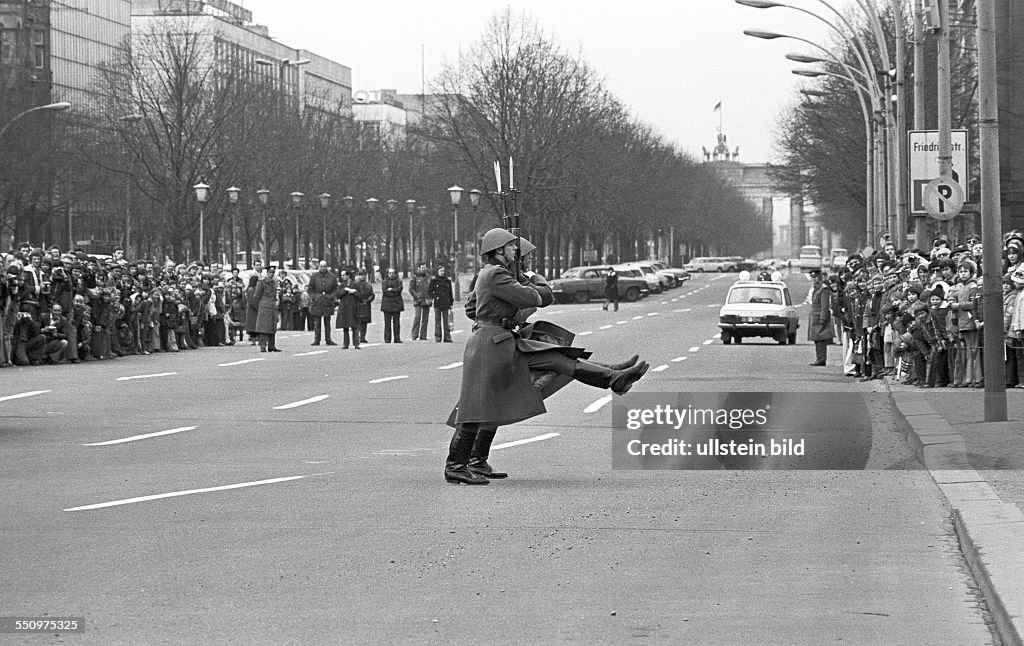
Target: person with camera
(8, 312)
(54, 328)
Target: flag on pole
(718, 106)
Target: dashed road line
(663, 366)
(309, 354)
(238, 363)
(303, 402)
(135, 438)
(604, 327)
(31, 393)
(637, 318)
(189, 492)
(450, 366)
(584, 333)
(653, 313)
(694, 349)
(598, 405)
(709, 342)
(678, 359)
(383, 379)
(157, 374)
(621, 322)
(546, 436)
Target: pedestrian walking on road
(497, 387)
(611, 289)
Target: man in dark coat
(392, 305)
(819, 327)
(266, 314)
(363, 312)
(348, 317)
(419, 290)
(323, 290)
(441, 291)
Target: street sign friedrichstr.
(923, 154)
(943, 198)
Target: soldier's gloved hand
(538, 279)
(547, 297)
(471, 310)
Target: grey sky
(669, 62)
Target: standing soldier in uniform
(819, 327)
(497, 388)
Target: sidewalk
(979, 467)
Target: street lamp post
(264, 197)
(410, 207)
(282, 66)
(325, 202)
(474, 201)
(392, 205)
(130, 118)
(455, 193)
(60, 105)
(347, 201)
(422, 211)
(233, 193)
(371, 206)
(297, 205)
(202, 194)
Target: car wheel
(726, 338)
(781, 338)
(738, 338)
(581, 297)
(721, 270)
(632, 294)
(792, 338)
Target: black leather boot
(478, 457)
(456, 467)
(622, 365)
(619, 381)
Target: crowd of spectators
(916, 316)
(61, 307)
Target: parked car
(666, 279)
(758, 309)
(810, 258)
(652, 280)
(580, 284)
(679, 273)
(700, 264)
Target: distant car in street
(755, 308)
(580, 284)
(681, 275)
(810, 258)
(701, 264)
(666, 279)
(651, 280)
(838, 258)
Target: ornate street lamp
(371, 206)
(474, 201)
(297, 205)
(455, 193)
(202, 194)
(392, 205)
(233, 199)
(347, 201)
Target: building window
(39, 49)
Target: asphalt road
(228, 496)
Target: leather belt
(507, 323)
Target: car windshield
(571, 273)
(753, 294)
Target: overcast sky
(669, 61)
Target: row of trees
(588, 175)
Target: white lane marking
(383, 379)
(686, 310)
(678, 359)
(715, 305)
(663, 366)
(546, 436)
(584, 333)
(604, 327)
(709, 342)
(303, 402)
(621, 322)
(664, 303)
(238, 363)
(450, 366)
(30, 393)
(598, 405)
(694, 349)
(653, 313)
(369, 345)
(174, 494)
(142, 437)
(309, 354)
(637, 318)
(458, 331)
(158, 374)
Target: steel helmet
(526, 247)
(495, 239)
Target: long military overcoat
(266, 296)
(497, 387)
(819, 324)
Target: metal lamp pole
(371, 206)
(392, 205)
(264, 197)
(347, 201)
(296, 204)
(474, 201)
(455, 193)
(410, 207)
(202, 194)
(325, 202)
(233, 193)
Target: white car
(758, 308)
(654, 282)
(666, 279)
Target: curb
(991, 532)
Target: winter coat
(819, 324)
(348, 305)
(323, 291)
(391, 295)
(252, 307)
(266, 298)
(441, 291)
(497, 386)
(366, 296)
(969, 300)
(419, 289)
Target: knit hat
(938, 290)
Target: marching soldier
(497, 388)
